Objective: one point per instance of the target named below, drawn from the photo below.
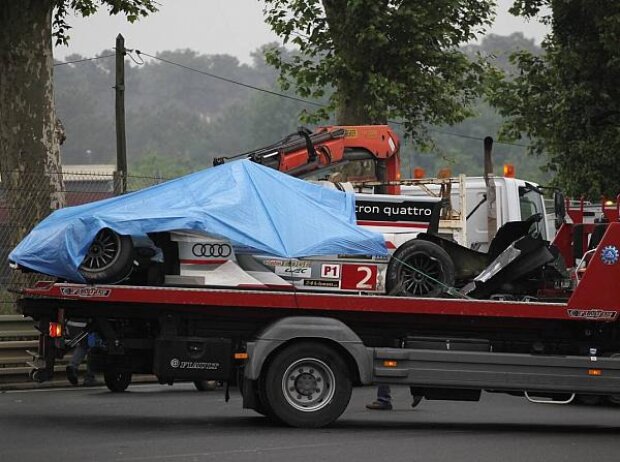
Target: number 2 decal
(359, 277)
(363, 284)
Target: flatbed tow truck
(296, 355)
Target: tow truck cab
(516, 200)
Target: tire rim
(415, 281)
(308, 385)
(103, 252)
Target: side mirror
(559, 207)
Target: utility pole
(120, 182)
(490, 185)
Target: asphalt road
(158, 423)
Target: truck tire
(412, 263)
(306, 385)
(108, 259)
(117, 381)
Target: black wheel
(420, 269)
(109, 258)
(306, 385)
(205, 385)
(117, 381)
(38, 375)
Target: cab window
(531, 203)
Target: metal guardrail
(17, 336)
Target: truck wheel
(108, 259)
(306, 385)
(419, 269)
(117, 381)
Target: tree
(567, 101)
(383, 59)
(30, 132)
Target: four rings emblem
(211, 250)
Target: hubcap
(415, 281)
(103, 252)
(308, 384)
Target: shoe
(72, 375)
(379, 406)
(90, 382)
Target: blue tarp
(252, 205)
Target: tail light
(55, 330)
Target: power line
(462, 135)
(476, 138)
(301, 100)
(83, 60)
(234, 82)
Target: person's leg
(384, 394)
(384, 399)
(79, 353)
(89, 379)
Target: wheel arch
(328, 331)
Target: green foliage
(153, 168)
(179, 121)
(172, 113)
(384, 59)
(132, 9)
(567, 101)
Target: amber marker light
(241, 356)
(509, 170)
(444, 173)
(390, 363)
(55, 330)
(595, 372)
(419, 173)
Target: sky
(234, 27)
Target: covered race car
(243, 225)
(240, 225)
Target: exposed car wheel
(205, 385)
(306, 385)
(108, 259)
(420, 269)
(117, 381)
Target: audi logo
(211, 250)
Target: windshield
(531, 203)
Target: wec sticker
(85, 292)
(593, 314)
(293, 271)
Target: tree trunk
(353, 99)
(29, 144)
(352, 91)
